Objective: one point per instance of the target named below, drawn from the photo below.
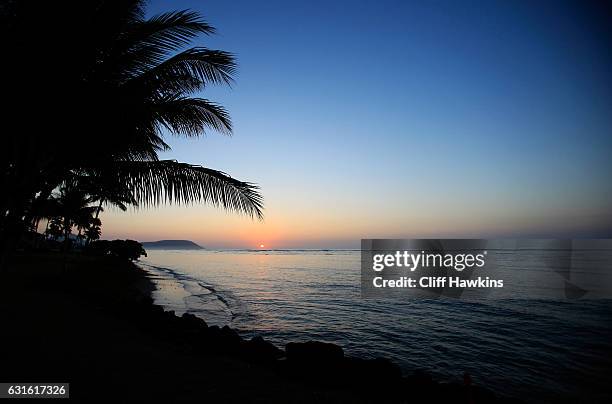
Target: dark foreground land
(89, 321)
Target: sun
(261, 246)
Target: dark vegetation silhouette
(92, 89)
(124, 249)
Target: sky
(397, 119)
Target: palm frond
(170, 31)
(156, 182)
(188, 71)
(147, 43)
(191, 116)
(209, 65)
(104, 189)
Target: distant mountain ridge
(171, 245)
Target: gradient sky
(403, 119)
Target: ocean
(539, 350)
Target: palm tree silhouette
(111, 84)
(67, 208)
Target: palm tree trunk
(99, 208)
(97, 214)
(67, 232)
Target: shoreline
(96, 323)
(313, 354)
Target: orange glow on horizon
(261, 246)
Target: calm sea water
(538, 350)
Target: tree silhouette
(96, 97)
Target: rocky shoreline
(315, 363)
(90, 321)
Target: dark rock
(213, 333)
(379, 370)
(260, 350)
(313, 351)
(193, 322)
(422, 377)
(230, 336)
(420, 384)
(482, 395)
(224, 339)
(157, 310)
(146, 300)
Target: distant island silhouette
(172, 244)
